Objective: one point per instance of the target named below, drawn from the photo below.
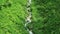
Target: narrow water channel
(28, 18)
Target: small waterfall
(28, 18)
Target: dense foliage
(45, 17)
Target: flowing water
(28, 18)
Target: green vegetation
(12, 17)
(45, 16)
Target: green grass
(12, 18)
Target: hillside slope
(45, 17)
